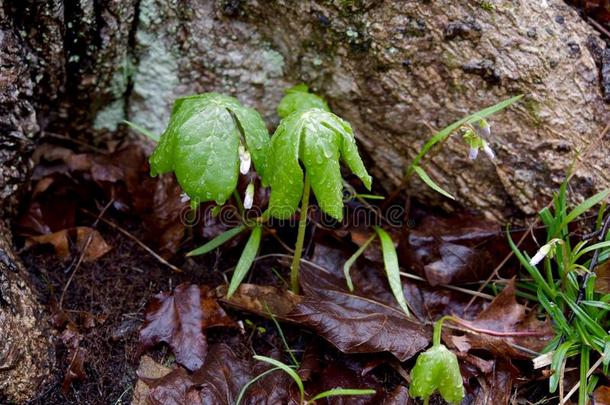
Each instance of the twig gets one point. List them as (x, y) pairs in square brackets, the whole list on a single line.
[(575, 387), (138, 241), (451, 287), (82, 254)]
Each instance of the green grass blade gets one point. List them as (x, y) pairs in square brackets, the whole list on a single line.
[(390, 260), (584, 368), (430, 183), (335, 392), (348, 264), (243, 390), (142, 130), (293, 374), (585, 206), (584, 318), (246, 259), (217, 241), (295, 362), (559, 359), (440, 136)]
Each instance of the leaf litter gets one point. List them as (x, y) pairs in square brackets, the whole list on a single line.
[(197, 349)]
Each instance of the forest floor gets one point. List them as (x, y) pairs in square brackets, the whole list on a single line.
[(132, 326)]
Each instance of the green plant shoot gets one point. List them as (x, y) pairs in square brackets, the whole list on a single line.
[(437, 369)]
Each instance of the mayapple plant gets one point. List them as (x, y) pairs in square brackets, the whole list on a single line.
[(317, 139), (437, 369), (211, 138)]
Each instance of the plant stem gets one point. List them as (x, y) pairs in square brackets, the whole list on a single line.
[(438, 327), (298, 249)]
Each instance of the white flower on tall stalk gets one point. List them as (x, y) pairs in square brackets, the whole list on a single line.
[(245, 160), (249, 197), (544, 251)]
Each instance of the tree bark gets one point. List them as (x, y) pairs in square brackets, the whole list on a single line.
[(395, 69), (26, 350)]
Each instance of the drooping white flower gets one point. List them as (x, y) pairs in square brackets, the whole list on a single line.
[(484, 128), (249, 197), (489, 151), (473, 153), (544, 251), (184, 197), (245, 160)]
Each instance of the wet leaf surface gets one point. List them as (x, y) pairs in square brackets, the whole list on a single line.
[(505, 315), (179, 319), (453, 251)]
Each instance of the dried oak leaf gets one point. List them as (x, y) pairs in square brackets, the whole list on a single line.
[(601, 395), (179, 319), (505, 315)]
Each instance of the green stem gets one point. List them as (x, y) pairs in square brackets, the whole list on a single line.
[(438, 327), (298, 249), (426, 400)]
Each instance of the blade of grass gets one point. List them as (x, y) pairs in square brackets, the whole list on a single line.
[(246, 259), (430, 183), (439, 136), (348, 264), (217, 241), (557, 364), (293, 374), (585, 206), (243, 390), (335, 392), (142, 130), (390, 260)]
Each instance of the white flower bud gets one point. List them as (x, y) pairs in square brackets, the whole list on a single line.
[(488, 151), (473, 153), (484, 128), (184, 197), (245, 160), (249, 197), (543, 251)]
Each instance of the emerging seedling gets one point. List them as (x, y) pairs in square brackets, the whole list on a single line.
[(317, 139), (437, 369)]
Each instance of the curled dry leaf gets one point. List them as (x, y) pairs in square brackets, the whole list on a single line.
[(88, 242), (179, 319), (76, 358)]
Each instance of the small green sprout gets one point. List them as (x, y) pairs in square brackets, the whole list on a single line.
[(209, 140), (437, 369)]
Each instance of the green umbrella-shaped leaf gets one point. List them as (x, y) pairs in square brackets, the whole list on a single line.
[(437, 369), (201, 145), (284, 171), (299, 98), (319, 139)]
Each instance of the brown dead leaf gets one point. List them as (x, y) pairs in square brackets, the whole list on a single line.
[(453, 251), (507, 316), (601, 395), (88, 240), (352, 323), (147, 370), (179, 319), (76, 358)]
